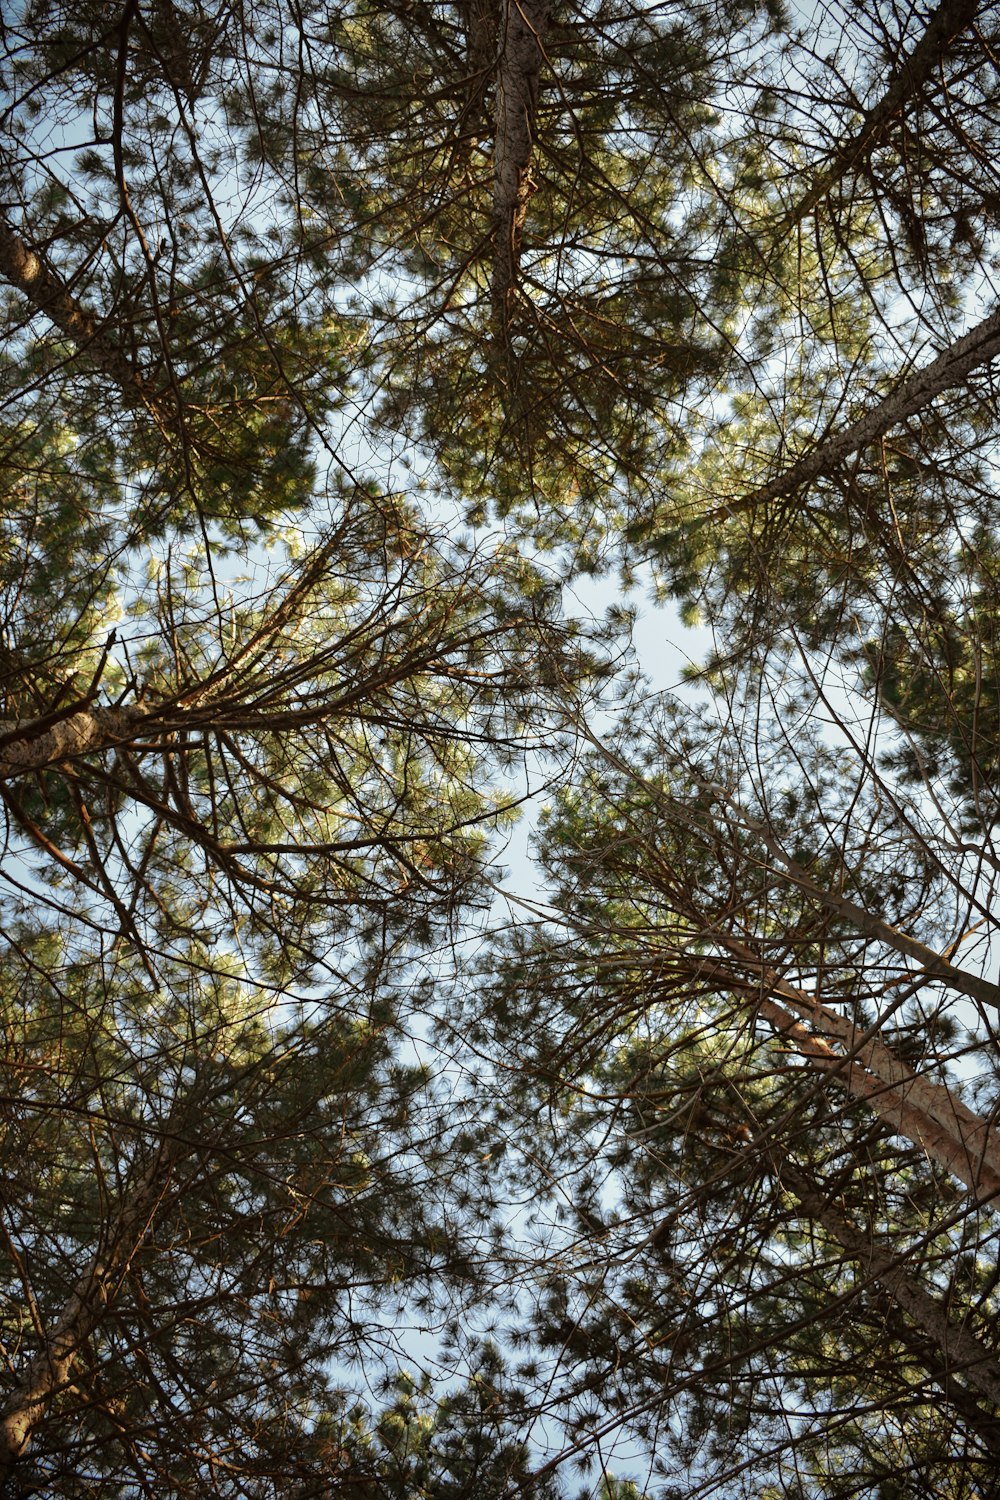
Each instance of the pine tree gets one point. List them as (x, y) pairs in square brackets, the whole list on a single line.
[(686, 285), (776, 1258), (260, 718), (535, 185)]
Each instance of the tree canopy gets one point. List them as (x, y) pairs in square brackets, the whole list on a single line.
[(340, 342)]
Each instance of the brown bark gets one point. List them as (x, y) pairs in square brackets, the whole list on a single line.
[(33, 744), (962, 1352), (951, 18), (51, 1369), (522, 29), (916, 391), (29, 271), (927, 1113)]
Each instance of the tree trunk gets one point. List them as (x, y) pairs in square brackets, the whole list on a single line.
[(480, 53), (924, 1112), (982, 1423), (523, 26), (50, 1370), (963, 1353), (934, 965)]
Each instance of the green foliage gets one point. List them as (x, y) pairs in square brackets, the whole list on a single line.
[(720, 1191), (682, 1175)]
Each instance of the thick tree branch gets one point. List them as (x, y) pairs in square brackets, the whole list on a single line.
[(30, 272), (33, 744), (946, 24), (980, 346)]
